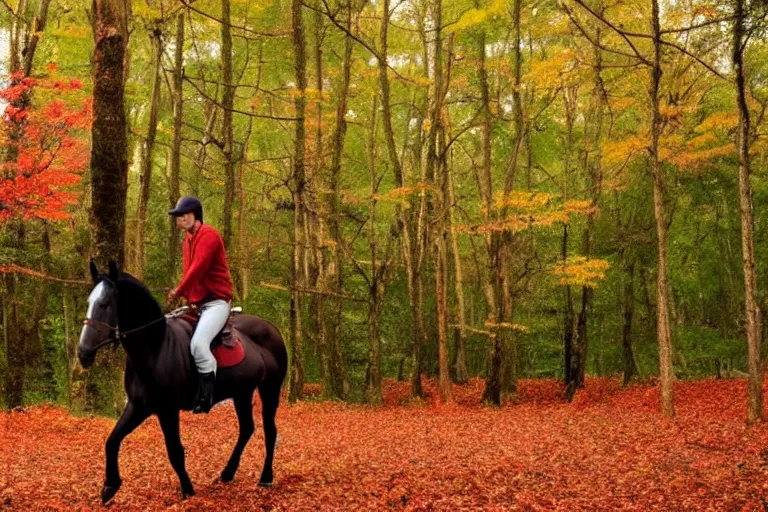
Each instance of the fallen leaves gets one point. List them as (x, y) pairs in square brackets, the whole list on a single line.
[(609, 449)]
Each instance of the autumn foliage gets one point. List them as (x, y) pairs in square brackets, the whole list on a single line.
[(44, 149), (608, 450)]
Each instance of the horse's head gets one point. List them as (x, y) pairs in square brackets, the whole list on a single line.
[(100, 326)]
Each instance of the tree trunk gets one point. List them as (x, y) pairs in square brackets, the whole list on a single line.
[(628, 310), (210, 113), (460, 373), (570, 97), (503, 359), (662, 302), (752, 313), (405, 216), (227, 104), (109, 172), (296, 390), (146, 164), (315, 223), (15, 345), (243, 260), (437, 174), (178, 109), (333, 271), (109, 163), (18, 28), (373, 393), (38, 26)]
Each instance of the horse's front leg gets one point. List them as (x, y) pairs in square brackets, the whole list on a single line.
[(133, 416), (169, 422)]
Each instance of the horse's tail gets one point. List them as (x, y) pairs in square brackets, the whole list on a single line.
[(266, 335)]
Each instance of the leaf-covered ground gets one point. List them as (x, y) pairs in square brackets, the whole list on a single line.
[(610, 449)]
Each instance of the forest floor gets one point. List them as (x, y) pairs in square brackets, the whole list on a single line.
[(610, 449)]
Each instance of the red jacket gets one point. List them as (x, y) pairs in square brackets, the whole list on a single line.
[(206, 273)]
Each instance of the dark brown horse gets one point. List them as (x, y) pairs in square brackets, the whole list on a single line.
[(160, 375)]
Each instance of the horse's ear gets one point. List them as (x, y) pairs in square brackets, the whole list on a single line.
[(94, 271), (114, 273)]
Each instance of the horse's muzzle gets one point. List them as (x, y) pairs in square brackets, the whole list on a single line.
[(86, 358)]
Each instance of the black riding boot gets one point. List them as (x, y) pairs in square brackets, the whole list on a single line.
[(204, 399)]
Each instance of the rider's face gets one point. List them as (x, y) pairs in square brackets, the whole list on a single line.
[(186, 221)]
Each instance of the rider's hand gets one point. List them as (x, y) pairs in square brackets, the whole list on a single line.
[(171, 298)]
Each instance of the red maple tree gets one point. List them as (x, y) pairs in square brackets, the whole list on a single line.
[(45, 150)]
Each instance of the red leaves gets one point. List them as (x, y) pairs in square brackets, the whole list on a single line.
[(610, 450), (48, 154)]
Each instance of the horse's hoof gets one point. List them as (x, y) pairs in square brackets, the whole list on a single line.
[(187, 493), (266, 485), (227, 476), (109, 491)]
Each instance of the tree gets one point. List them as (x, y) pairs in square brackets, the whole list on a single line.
[(109, 167), (296, 388), (175, 167), (109, 162), (149, 144), (752, 313), (43, 162)]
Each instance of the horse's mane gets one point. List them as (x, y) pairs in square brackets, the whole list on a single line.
[(138, 292)]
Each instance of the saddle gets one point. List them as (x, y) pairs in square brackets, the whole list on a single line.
[(226, 346)]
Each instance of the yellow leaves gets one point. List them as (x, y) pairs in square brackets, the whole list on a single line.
[(618, 152), (719, 121), (476, 16), (145, 10), (421, 81), (622, 103), (713, 142), (526, 210), (670, 111), (552, 71), (327, 243), (402, 195), (692, 159), (702, 140), (575, 206), (527, 201), (580, 271)]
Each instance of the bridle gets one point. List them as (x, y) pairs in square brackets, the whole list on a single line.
[(116, 336)]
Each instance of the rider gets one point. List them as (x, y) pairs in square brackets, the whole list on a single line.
[(205, 284)]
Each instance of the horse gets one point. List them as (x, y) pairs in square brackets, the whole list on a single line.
[(161, 378)]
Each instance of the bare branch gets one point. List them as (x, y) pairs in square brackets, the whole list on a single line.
[(693, 27), (624, 34), (243, 112)]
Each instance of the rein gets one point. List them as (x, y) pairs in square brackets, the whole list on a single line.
[(119, 336)]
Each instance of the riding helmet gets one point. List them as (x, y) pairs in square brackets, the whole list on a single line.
[(187, 204)]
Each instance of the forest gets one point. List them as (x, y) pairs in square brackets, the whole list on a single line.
[(407, 189), (541, 220)]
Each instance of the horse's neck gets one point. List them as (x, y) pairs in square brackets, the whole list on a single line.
[(141, 320)]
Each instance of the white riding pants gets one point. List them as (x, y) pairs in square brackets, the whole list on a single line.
[(213, 316)]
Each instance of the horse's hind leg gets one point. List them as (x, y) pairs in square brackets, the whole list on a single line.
[(244, 410), (270, 398), (132, 417), (169, 422)]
